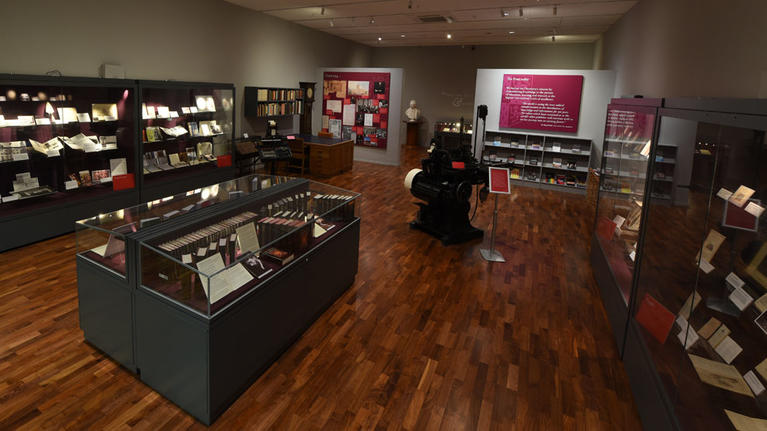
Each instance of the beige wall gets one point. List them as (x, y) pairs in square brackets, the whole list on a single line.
[(185, 40), (671, 48), (442, 79)]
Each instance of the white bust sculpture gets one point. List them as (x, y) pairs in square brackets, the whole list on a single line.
[(412, 113)]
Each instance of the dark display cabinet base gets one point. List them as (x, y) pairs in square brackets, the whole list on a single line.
[(655, 409), (204, 365), (615, 306), (43, 223)]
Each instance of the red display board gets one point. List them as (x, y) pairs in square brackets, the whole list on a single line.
[(123, 182), (355, 105), (541, 102), (499, 180)]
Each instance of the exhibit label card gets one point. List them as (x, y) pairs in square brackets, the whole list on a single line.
[(720, 375), (724, 194), (705, 266), (740, 298), (754, 383), (687, 333), (754, 209), (741, 196), (721, 333), (247, 238), (218, 285), (728, 349), (746, 423), (708, 329)]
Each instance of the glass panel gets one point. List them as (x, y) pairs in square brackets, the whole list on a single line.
[(60, 143), (185, 130), (701, 281), (104, 247), (243, 247), (627, 145)]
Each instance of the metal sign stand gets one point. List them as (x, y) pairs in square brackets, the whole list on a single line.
[(491, 254)]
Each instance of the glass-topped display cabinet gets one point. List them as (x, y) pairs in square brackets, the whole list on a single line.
[(628, 140), (209, 264), (697, 335), (67, 149), (187, 132), (174, 287)]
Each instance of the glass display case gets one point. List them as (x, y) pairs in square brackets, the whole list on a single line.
[(628, 139), (172, 287), (67, 148), (699, 300), (187, 132), (208, 264)]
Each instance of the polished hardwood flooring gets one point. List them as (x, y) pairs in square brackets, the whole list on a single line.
[(428, 337)]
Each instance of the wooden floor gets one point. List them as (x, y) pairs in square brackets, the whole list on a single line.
[(428, 337)]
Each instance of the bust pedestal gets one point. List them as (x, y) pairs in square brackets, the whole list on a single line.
[(412, 132)]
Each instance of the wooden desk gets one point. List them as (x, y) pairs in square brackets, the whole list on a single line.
[(328, 156)]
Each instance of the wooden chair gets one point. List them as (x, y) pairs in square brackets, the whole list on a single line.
[(299, 161)]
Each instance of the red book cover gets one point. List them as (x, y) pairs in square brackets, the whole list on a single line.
[(655, 318), (459, 165), (123, 182), (224, 161), (739, 218), (606, 228)]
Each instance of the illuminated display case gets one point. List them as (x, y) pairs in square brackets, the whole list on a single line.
[(172, 287), (694, 344), (67, 150), (186, 135)]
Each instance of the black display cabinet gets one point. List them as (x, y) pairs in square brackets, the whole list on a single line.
[(199, 293), (689, 314), (186, 136), (67, 151)]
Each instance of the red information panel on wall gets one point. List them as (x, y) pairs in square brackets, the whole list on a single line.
[(541, 102), (355, 105)]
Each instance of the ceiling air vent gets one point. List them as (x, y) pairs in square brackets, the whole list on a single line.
[(429, 19)]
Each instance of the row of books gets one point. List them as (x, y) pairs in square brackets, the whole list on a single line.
[(267, 95), (285, 108)]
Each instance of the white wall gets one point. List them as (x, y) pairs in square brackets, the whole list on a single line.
[(441, 78), (598, 88), (675, 48), (184, 40), (389, 156)]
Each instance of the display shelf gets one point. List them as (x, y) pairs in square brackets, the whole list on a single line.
[(151, 306), (270, 102)]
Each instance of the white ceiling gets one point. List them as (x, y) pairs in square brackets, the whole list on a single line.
[(477, 22)]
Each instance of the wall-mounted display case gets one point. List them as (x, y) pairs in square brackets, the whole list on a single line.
[(694, 335), (67, 151), (258, 260), (187, 133)]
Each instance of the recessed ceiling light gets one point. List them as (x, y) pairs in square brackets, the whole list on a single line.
[(380, 38), (372, 20), (449, 36), (511, 32), (504, 12), (449, 19), (402, 35)]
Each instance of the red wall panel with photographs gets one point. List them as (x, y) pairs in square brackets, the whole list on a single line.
[(355, 105)]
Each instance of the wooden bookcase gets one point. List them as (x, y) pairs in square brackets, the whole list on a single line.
[(266, 102)]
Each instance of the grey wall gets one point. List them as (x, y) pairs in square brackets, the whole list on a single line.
[(442, 79), (184, 40), (671, 48)]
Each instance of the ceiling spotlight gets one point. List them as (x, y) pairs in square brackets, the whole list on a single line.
[(332, 24), (449, 36), (511, 32), (380, 38), (521, 12), (555, 10), (322, 11), (402, 35), (504, 12), (372, 20), (449, 19)]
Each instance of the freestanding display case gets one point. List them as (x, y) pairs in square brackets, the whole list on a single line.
[(695, 336), (67, 151), (202, 302), (187, 135)]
